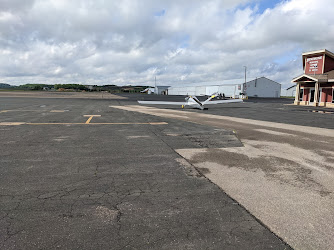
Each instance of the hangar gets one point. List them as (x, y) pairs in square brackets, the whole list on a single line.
[(289, 92), (316, 86), (259, 87)]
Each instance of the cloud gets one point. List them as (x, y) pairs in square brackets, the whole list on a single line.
[(180, 42)]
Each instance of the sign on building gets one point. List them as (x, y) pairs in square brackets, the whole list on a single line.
[(314, 65)]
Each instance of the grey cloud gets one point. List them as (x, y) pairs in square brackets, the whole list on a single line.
[(180, 41), (16, 5)]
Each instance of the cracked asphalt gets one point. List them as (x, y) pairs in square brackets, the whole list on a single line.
[(117, 185), (284, 171)]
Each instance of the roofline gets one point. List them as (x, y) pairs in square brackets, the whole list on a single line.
[(262, 77), (213, 85), (304, 75), (291, 86), (316, 52), (321, 51), (225, 84)]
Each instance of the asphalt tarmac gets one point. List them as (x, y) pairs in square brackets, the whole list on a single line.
[(284, 172), (78, 174)]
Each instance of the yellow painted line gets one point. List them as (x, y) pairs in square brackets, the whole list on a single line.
[(158, 123), (128, 123), (104, 123), (18, 110), (91, 117), (11, 123), (54, 123), (22, 110), (58, 111)]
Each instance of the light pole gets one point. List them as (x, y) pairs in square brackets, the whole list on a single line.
[(245, 88), (245, 73), (155, 85)]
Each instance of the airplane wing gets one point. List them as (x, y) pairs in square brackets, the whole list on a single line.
[(224, 101), (209, 99), (161, 102)]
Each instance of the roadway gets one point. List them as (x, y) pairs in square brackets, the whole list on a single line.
[(77, 173), (284, 172)]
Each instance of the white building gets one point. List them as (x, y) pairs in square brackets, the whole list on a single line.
[(161, 90), (228, 90), (290, 92), (259, 87), (262, 87)]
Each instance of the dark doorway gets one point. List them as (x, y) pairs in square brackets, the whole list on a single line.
[(312, 95)]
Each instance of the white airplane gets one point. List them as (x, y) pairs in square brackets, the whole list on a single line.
[(192, 101)]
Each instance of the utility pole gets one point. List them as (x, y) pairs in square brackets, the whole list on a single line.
[(245, 73), (155, 85), (245, 87)]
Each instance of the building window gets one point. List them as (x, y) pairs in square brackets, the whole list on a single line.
[(301, 93), (332, 95)]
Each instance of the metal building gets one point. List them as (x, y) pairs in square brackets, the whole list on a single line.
[(289, 92), (259, 87), (262, 87), (161, 90), (231, 90)]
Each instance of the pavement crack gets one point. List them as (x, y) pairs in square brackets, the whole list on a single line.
[(190, 169)]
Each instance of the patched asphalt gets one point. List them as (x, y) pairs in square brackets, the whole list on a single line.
[(283, 173), (118, 185)]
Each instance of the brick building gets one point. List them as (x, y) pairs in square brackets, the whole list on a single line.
[(316, 86)]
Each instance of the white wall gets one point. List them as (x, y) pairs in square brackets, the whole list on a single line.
[(289, 92), (263, 87), (211, 90), (228, 90), (200, 90), (182, 91)]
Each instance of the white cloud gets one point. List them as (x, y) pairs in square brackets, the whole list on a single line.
[(181, 42)]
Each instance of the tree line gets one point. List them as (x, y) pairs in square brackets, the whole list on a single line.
[(74, 87)]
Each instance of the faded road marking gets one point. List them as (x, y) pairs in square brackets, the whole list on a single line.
[(18, 110), (11, 123), (137, 136), (58, 111), (273, 132), (69, 123), (100, 123)]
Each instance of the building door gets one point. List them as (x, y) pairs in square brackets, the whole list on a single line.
[(301, 95), (312, 91)]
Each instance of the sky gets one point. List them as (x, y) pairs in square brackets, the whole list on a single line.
[(180, 42)]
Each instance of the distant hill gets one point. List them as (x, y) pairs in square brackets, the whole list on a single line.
[(74, 87)]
